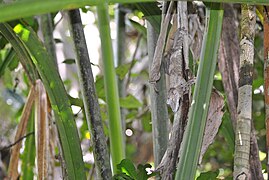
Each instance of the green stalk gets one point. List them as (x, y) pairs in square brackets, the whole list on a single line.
[(120, 51), (10, 56), (47, 32), (192, 140), (89, 96), (27, 38), (120, 45), (28, 159), (22, 9), (111, 89)]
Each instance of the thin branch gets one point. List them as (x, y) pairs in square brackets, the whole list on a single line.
[(16, 142), (89, 96)]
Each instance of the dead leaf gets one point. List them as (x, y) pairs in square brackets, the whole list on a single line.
[(214, 119)]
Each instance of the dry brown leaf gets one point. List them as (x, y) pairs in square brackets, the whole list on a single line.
[(42, 130), (15, 151), (214, 119)]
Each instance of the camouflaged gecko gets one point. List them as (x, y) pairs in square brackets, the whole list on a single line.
[(174, 68)]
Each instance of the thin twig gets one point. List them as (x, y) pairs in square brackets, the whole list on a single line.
[(16, 142)]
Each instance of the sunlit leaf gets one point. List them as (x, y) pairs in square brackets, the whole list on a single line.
[(126, 166)]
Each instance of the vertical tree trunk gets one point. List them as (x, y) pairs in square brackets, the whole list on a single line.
[(244, 109)]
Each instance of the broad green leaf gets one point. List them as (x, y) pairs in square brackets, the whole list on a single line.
[(122, 176), (131, 114), (210, 175), (142, 173), (146, 122), (99, 86), (130, 102), (126, 166), (123, 69)]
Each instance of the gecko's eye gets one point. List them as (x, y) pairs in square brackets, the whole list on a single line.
[(173, 99)]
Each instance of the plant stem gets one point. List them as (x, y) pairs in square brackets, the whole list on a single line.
[(90, 99), (159, 112), (28, 159), (111, 89), (120, 55), (47, 31)]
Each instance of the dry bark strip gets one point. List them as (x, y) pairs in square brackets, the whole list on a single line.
[(244, 109), (154, 74), (213, 122), (42, 130), (15, 151)]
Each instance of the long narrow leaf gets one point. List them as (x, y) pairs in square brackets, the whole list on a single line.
[(21, 52), (193, 136), (58, 97), (21, 9)]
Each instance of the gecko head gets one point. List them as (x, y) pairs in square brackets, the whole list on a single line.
[(173, 99)]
